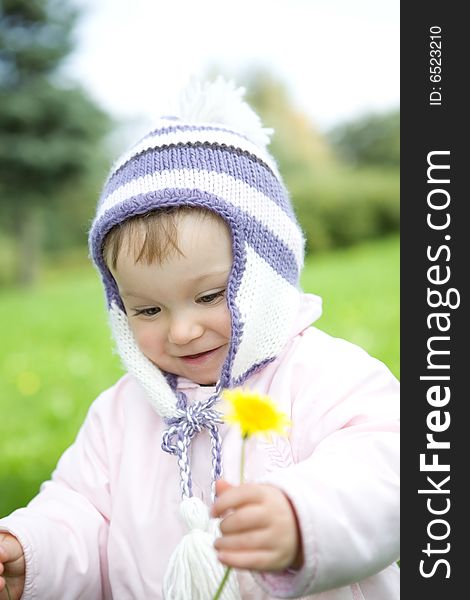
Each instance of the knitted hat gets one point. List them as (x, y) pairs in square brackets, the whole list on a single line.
[(212, 155)]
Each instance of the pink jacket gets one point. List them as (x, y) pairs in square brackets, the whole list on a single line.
[(105, 525)]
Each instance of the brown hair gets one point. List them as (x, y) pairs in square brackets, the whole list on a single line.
[(152, 236)]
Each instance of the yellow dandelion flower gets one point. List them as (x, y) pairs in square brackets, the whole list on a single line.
[(254, 413)]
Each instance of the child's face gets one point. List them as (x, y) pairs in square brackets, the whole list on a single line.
[(177, 310)]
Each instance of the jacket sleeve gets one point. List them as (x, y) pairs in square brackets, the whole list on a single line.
[(64, 529), (344, 484)]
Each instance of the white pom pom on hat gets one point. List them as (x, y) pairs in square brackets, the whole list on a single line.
[(222, 102)]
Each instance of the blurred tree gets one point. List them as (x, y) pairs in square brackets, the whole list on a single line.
[(47, 132), (373, 140), (337, 203), (296, 143)]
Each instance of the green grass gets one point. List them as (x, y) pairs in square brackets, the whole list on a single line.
[(56, 357), (360, 287)]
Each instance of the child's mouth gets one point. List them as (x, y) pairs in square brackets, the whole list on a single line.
[(200, 357)]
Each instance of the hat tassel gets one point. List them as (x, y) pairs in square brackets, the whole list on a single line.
[(194, 572)]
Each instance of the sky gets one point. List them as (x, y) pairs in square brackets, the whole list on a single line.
[(339, 59)]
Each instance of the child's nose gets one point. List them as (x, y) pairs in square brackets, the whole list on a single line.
[(184, 329)]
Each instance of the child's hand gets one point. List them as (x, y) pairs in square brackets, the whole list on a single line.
[(259, 528), (12, 567)]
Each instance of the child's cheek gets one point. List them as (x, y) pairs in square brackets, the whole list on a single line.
[(224, 322), (147, 339)]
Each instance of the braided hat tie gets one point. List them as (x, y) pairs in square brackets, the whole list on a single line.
[(190, 420)]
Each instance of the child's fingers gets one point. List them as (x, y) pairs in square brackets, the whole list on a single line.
[(252, 516), (12, 559), (237, 496), (3, 593), (257, 539), (15, 589), (254, 560), (222, 486), (10, 548)]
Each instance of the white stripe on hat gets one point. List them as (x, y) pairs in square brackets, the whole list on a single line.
[(261, 318), (232, 190), (213, 135)]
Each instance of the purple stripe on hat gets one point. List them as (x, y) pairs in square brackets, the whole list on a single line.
[(261, 239), (202, 156), (153, 135), (271, 249)]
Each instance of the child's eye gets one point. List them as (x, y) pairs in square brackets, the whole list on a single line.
[(211, 298), (146, 312)]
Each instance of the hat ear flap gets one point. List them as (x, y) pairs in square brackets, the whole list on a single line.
[(137, 364), (266, 307)]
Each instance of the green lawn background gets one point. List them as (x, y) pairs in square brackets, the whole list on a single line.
[(56, 352)]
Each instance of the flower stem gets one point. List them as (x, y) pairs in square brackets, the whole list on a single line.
[(222, 583), (242, 477), (7, 591), (242, 461)]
